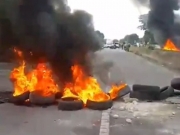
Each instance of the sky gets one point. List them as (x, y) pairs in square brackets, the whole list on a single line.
[(114, 18)]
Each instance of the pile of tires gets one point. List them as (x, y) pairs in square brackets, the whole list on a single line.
[(151, 93), (141, 92), (72, 104)]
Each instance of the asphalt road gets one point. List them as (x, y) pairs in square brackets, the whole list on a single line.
[(15, 120)]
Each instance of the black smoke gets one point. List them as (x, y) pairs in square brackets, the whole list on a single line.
[(53, 34), (161, 19)]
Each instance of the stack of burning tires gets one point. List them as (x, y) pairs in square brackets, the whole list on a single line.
[(103, 101)]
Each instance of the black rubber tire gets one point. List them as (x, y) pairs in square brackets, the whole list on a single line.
[(170, 89), (19, 100), (70, 104), (145, 92), (151, 92), (36, 99), (146, 88), (175, 83), (143, 96), (166, 92), (104, 105)]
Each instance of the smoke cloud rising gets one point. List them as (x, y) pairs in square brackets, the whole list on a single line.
[(53, 34), (161, 19)]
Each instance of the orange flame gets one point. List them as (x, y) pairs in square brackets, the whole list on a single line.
[(41, 79), (18, 52), (170, 46)]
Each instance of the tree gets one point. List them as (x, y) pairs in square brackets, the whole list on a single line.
[(126, 38), (115, 41), (132, 38), (148, 37), (100, 36), (121, 41), (143, 22)]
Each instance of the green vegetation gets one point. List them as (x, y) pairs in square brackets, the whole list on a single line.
[(147, 38), (130, 39), (100, 36)]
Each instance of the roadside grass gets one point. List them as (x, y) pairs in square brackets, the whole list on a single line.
[(169, 59)]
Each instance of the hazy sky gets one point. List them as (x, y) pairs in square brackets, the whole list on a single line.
[(115, 18)]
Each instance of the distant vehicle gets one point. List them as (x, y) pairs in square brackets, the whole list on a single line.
[(114, 47), (107, 46), (157, 46)]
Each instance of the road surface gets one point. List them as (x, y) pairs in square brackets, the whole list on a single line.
[(15, 120)]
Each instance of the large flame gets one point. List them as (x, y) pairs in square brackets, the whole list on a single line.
[(170, 46), (41, 79)]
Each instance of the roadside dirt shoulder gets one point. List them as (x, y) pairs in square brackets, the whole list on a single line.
[(168, 59)]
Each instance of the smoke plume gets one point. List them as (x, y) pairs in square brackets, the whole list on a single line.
[(52, 34), (161, 19)]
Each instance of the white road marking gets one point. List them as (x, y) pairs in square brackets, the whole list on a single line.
[(105, 118)]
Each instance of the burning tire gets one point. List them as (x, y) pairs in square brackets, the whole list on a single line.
[(175, 83), (166, 92), (19, 100), (145, 92), (37, 99), (70, 104), (126, 90), (102, 105)]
